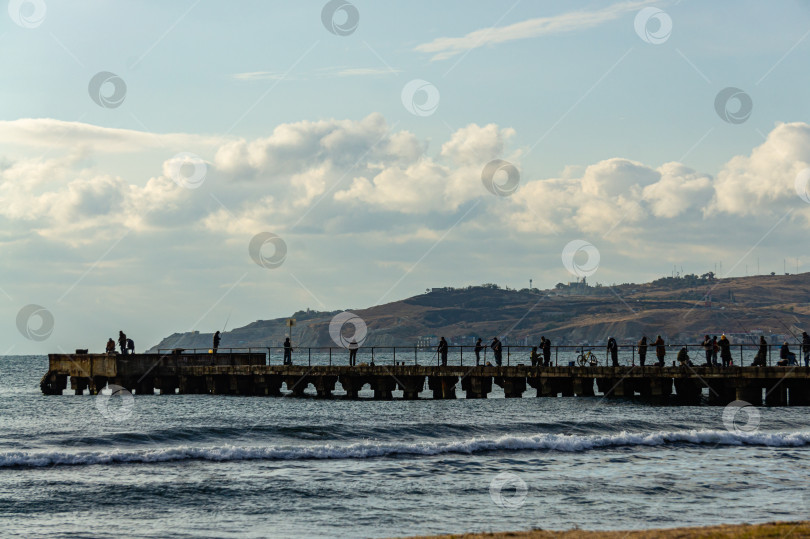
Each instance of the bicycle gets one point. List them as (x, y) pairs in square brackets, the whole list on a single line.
[(587, 358)]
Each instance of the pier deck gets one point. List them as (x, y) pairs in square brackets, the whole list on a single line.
[(248, 374)]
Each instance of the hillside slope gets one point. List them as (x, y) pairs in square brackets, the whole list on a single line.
[(673, 307)]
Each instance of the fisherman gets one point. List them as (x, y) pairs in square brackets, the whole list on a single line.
[(130, 346), (122, 342), (715, 349), (683, 358), (759, 359), (217, 339), (110, 346), (478, 347), (708, 347), (725, 350), (642, 350), (613, 350), (353, 346), (660, 350), (787, 357), (442, 350), (288, 350), (535, 358), (497, 350), (546, 352), (806, 348)]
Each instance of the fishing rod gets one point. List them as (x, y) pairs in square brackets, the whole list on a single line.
[(226, 320), (788, 330)]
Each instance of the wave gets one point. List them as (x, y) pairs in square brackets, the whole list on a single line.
[(369, 449)]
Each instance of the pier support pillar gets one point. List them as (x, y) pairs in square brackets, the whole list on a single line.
[(190, 385), (583, 387), (566, 387), (513, 387), (410, 386), (166, 384), (750, 393), (296, 384), (273, 385), (722, 392), (352, 385), (324, 385), (145, 387), (545, 386), (660, 388), (444, 387), (78, 384), (97, 383), (620, 388), (776, 395), (688, 391), (476, 387), (216, 384), (53, 383), (241, 385), (798, 393), (383, 386)]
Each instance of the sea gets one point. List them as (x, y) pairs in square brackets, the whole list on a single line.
[(236, 466)]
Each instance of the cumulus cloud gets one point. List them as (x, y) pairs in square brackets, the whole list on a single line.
[(296, 147), (335, 172), (607, 194), (58, 199), (678, 190), (765, 180)]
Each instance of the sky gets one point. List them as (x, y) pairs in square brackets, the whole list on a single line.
[(198, 165)]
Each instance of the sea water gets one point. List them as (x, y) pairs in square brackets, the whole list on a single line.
[(228, 466)]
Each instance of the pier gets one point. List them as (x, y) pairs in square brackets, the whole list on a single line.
[(249, 373)]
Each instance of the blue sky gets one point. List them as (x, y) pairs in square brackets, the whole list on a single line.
[(305, 134)]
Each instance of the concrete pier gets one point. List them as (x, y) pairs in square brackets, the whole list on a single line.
[(248, 374)]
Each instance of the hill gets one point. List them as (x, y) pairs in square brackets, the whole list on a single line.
[(679, 308)]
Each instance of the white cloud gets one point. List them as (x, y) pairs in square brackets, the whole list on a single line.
[(340, 173), (443, 48), (764, 181), (50, 133), (678, 190), (58, 199)]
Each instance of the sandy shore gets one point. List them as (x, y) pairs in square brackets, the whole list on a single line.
[(746, 531)]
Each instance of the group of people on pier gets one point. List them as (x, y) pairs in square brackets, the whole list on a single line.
[(540, 355), (126, 344)]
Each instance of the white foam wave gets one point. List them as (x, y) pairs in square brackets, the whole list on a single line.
[(369, 449)]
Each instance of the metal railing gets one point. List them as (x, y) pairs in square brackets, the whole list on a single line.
[(464, 355)]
